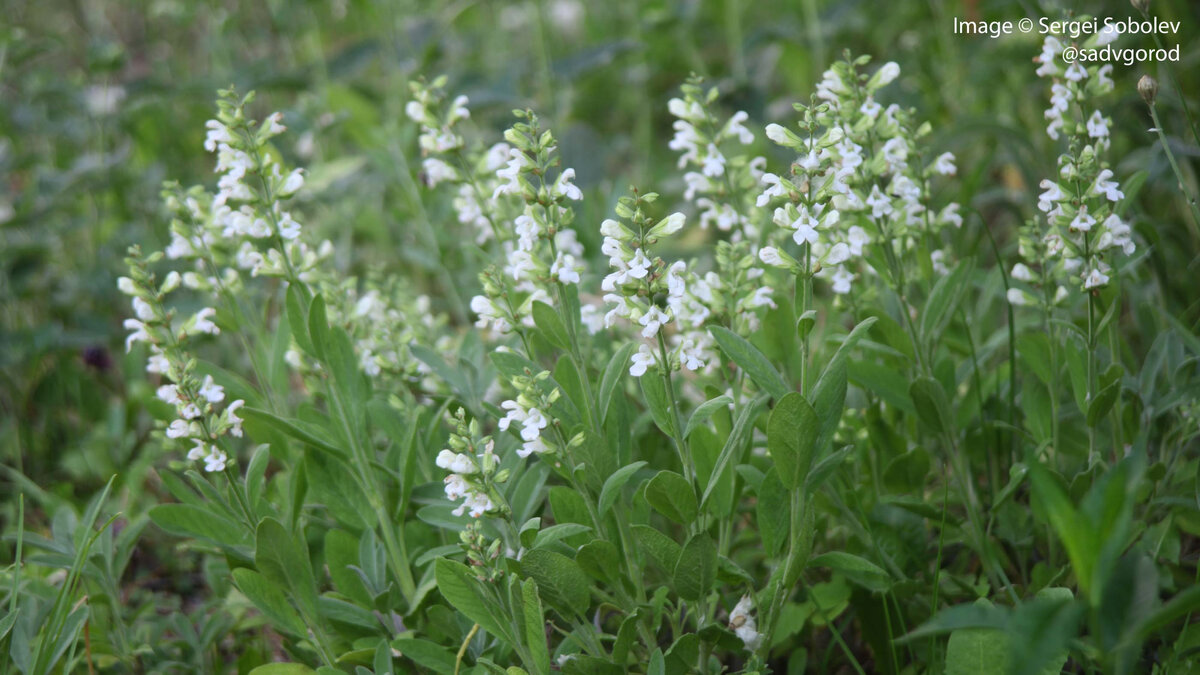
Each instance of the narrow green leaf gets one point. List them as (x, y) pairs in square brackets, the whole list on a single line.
[(270, 600), (612, 377), (550, 324), (750, 360), (535, 628), (858, 570), (704, 411), (614, 483)]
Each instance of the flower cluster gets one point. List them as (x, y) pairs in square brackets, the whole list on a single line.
[(247, 209), (202, 421), (1081, 224), (650, 293), (527, 415), (448, 159), (474, 469), (862, 176), (543, 253), (720, 174)]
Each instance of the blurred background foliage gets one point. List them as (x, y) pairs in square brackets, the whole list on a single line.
[(103, 100)]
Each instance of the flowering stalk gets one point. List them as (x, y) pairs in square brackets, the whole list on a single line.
[(1083, 231)]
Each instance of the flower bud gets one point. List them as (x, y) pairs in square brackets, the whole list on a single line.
[(1147, 86)]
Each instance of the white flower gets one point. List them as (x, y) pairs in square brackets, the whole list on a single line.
[(1021, 273), (289, 229), (841, 280), (202, 324), (564, 188), (1017, 297), (713, 162), (642, 360), (1107, 187), (1052, 195), (742, 623), (1075, 72), (1097, 126), (139, 333), (886, 74), (190, 411), (235, 422), (950, 215), (168, 393), (1095, 279), (592, 319), (838, 254), (437, 171), (1082, 222), (880, 205), (1107, 34), (179, 429), (456, 487), (215, 461), (197, 452), (770, 255), (938, 260), (734, 127), (292, 184), (653, 320), (944, 164), (143, 309), (211, 391), (775, 188)]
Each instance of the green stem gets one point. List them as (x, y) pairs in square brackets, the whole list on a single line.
[(1162, 139), (685, 454)]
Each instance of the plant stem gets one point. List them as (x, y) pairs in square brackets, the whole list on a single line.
[(1162, 139), (685, 454)]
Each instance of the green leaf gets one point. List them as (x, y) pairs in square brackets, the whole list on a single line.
[(1102, 403), (426, 654), (655, 392), (559, 580), (297, 317), (841, 356), (612, 377), (932, 406), (773, 513), (977, 651), (283, 669), (662, 549), (792, 432), (318, 327), (556, 532), (600, 560), (1035, 350), (672, 495), (270, 600), (958, 617), (750, 360), (943, 300), (704, 411), (298, 429), (193, 521), (284, 561), (743, 427), (535, 627), (614, 483), (550, 324), (465, 593), (858, 570), (1077, 534), (829, 400), (697, 567)]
